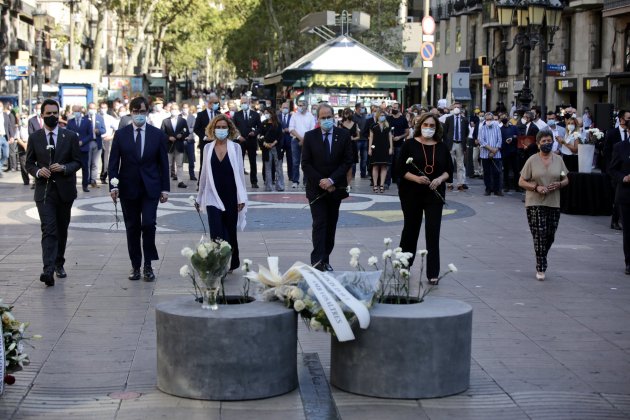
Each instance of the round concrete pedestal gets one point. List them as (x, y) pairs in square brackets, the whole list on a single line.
[(238, 352), (414, 351)]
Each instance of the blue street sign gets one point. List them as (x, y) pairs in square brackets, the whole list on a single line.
[(556, 67)]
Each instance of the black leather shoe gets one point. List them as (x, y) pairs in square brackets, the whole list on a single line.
[(628, 269), (319, 266), (86, 189), (182, 185), (254, 185), (615, 226), (193, 178), (464, 186), (148, 273), (328, 267), (47, 279), (487, 193), (60, 272), (134, 274), (498, 193)]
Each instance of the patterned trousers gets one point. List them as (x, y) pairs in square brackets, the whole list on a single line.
[(543, 223)]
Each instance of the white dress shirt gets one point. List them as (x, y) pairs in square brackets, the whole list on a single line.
[(301, 123)]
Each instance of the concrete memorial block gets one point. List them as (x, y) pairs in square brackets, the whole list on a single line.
[(239, 352), (419, 350)]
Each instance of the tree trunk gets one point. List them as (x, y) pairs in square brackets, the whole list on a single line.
[(144, 17), (280, 34), (98, 37)]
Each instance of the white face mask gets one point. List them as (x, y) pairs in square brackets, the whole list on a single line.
[(571, 127), (174, 113), (523, 121), (428, 133), (456, 111)]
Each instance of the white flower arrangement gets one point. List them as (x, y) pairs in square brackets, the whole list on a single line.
[(184, 271), (114, 182), (187, 252), (387, 241), (299, 305), (13, 334), (387, 254), (355, 252), (209, 261)]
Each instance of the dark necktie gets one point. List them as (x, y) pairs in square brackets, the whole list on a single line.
[(327, 145), (456, 129), (625, 135), (51, 142), (246, 116), (139, 142)]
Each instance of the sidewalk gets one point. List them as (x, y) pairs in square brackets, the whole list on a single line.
[(559, 348)]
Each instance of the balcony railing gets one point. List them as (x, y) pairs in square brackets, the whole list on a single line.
[(613, 4)]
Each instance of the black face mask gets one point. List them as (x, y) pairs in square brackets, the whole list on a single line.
[(504, 121), (51, 121), (394, 111)]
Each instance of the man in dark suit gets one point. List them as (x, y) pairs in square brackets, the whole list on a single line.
[(326, 159), (97, 122), (7, 134), (189, 142), (619, 169), (284, 116), (455, 138), (247, 122), (203, 119), (176, 130), (614, 136), (138, 160), (82, 127), (53, 158)]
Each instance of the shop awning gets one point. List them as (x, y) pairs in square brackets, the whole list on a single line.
[(79, 77), (461, 94)]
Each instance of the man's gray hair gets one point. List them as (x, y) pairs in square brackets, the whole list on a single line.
[(545, 132)]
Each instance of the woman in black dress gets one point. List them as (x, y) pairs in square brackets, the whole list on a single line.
[(380, 150), (222, 191), (427, 153), (348, 123)]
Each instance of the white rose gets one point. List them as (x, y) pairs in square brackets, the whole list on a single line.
[(315, 324), (114, 182), (452, 267), (423, 252), (354, 263), (409, 160), (398, 249), (245, 268), (372, 261), (355, 252), (299, 306), (387, 241), (247, 261), (387, 254), (225, 244), (399, 255), (184, 271), (407, 255), (202, 250), (404, 262), (396, 264), (192, 200), (404, 272), (296, 293), (187, 252)]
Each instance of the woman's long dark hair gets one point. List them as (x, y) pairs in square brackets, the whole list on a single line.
[(273, 117)]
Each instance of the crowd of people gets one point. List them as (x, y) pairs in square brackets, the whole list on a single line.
[(425, 151)]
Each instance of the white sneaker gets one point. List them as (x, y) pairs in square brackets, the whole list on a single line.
[(294, 185), (540, 276)]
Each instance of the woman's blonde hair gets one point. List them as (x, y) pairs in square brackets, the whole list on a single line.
[(232, 131), (377, 115)]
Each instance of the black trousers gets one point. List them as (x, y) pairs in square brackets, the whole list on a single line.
[(85, 168), (616, 212), (325, 213), (23, 172), (140, 219), (625, 217), (413, 208), (222, 225), (251, 145), (54, 216), (510, 164)]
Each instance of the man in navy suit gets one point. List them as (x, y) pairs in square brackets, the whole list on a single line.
[(138, 160), (53, 158), (614, 136), (326, 159), (285, 118), (36, 122), (83, 128), (203, 119)]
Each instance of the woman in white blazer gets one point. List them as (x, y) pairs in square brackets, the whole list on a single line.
[(222, 191)]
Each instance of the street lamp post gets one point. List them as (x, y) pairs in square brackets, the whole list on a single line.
[(39, 20), (530, 17)]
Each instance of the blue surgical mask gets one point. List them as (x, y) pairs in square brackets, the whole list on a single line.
[(546, 147), (382, 118), (139, 119), (221, 133), (77, 115), (244, 107), (551, 123), (327, 124), (285, 110), (215, 107)]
